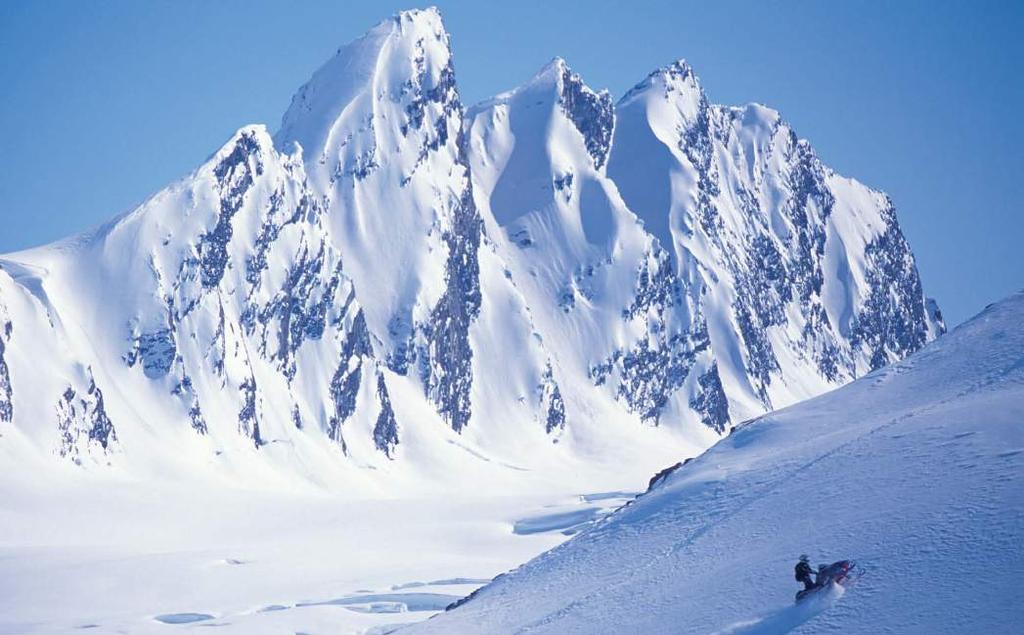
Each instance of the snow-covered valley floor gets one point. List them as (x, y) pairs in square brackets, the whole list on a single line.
[(144, 558)]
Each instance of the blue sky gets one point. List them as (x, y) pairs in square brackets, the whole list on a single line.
[(106, 102)]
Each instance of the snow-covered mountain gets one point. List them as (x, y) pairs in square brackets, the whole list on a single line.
[(916, 471), (543, 277)]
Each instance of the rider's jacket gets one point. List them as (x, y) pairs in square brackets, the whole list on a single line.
[(803, 570)]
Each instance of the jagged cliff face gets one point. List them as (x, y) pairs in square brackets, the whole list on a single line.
[(546, 273), (787, 253), (603, 291)]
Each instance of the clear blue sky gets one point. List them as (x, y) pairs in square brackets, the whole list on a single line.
[(103, 103)]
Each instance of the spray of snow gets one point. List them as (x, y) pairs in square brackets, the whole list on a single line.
[(787, 618)]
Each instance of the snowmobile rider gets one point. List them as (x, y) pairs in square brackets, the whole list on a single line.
[(803, 573)]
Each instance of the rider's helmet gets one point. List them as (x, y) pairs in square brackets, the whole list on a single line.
[(804, 557)]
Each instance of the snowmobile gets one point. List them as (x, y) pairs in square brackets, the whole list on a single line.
[(840, 573)]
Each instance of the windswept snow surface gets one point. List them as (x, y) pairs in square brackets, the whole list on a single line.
[(915, 471)]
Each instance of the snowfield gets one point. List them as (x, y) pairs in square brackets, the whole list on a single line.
[(125, 555), (915, 471)]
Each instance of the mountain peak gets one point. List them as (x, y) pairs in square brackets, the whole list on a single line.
[(590, 111), (678, 77), (408, 51), (418, 22), (679, 68), (428, 14), (551, 70), (563, 77)]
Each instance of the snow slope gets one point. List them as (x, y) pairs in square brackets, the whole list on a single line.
[(916, 471)]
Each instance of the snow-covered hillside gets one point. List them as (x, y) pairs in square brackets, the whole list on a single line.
[(916, 471), (390, 279)]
